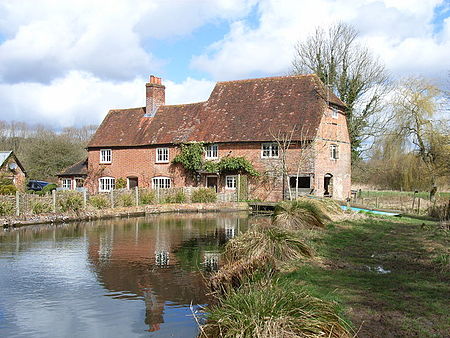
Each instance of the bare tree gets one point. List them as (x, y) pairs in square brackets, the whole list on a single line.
[(290, 161), (352, 73)]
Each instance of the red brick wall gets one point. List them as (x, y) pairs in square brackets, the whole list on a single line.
[(141, 163), (333, 131)]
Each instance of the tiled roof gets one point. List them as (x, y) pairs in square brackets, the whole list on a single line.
[(77, 169), (236, 111)]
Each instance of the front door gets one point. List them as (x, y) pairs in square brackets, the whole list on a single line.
[(211, 182), (132, 182), (328, 185)]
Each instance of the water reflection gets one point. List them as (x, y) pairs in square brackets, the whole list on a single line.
[(157, 261)]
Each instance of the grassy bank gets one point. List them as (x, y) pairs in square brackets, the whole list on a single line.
[(392, 275), (386, 276)]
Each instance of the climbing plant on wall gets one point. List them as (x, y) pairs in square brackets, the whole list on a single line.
[(191, 158)]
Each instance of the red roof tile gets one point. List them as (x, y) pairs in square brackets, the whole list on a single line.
[(236, 111)]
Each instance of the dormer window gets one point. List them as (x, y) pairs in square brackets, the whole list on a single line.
[(212, 152), (105, 156)]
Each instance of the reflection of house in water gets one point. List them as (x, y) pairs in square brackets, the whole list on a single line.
[(127, 258), (211, 260)]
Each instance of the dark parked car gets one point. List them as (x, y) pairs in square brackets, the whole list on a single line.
[(36, 185)]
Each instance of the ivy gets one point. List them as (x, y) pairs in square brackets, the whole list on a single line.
[(239, 164), (191, 158)]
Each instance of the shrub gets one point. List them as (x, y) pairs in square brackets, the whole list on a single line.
[(47, 189), (126, 200), (99, 201), (121, 183), (38, 207), (71, 201), (274, 310), (8, 189), (147, 197), (178, 197), (6, 208), (204, 195)]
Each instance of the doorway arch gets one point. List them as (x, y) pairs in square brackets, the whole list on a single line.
[(328, 185)]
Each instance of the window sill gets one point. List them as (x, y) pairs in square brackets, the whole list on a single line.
[(161, 162)]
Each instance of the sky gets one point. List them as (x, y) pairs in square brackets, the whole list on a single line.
[(67, 62)]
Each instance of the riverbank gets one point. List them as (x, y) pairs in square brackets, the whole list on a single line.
[(387, 276), (142, 210)]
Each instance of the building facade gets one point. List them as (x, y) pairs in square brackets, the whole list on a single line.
[(291, 129), (11, 170)]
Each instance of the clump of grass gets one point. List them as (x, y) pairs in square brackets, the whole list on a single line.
[(272, 310), (267, 241), (442, 261), (204, 195), (235, 274), (305, 213)]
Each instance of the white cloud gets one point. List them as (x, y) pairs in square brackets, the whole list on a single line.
[(46, 39), (400, 32), (80, 98)]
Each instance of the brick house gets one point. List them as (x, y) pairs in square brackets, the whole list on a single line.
[(291, 128), (73, 177), (12, 170)]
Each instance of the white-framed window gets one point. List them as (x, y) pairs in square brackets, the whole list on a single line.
[(106, 184), (161, 182), (230, 182), (334, 152), (334, 113), (162, 155), (67, 183), (105, 155), (212, 151), (269, 150)]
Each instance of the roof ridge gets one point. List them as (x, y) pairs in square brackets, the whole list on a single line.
[(122, 109), (271, 78), (182, 104)]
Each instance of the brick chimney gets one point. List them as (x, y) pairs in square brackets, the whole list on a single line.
[(154, 95)]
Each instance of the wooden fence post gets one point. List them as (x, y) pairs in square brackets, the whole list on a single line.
[(54, 200), (17, 203), (84, 199), (136, 190), (418, 205)]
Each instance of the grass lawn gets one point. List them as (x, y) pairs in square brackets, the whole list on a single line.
[(394, 194), (392, 275)]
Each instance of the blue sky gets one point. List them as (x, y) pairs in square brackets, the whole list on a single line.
[(67, 63)]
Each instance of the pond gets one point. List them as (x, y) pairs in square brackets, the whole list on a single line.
[(112, 278)]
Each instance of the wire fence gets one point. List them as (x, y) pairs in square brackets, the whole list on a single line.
[(68, 200)]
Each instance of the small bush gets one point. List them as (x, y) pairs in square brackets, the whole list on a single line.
[(147, 197), (126, 200), (204, 195), (47, 189), (8, 189), (121, 183), (178, 197), (38, 207), (6, 208), (99, 201), (71, 201)]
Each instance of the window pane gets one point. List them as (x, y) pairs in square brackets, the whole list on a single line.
[(275, 150), (299, 182)]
